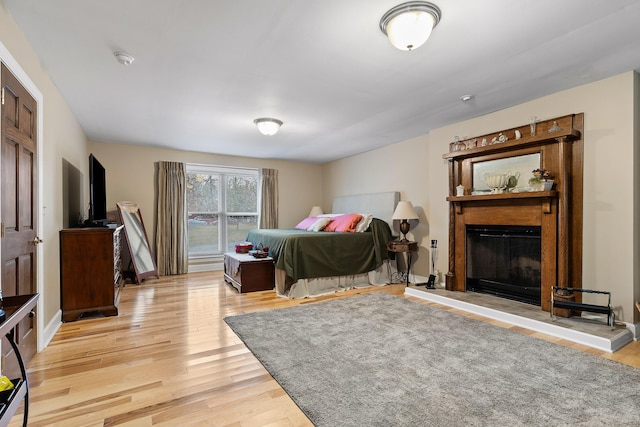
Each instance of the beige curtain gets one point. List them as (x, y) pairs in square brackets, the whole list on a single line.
[(269, 199), (171, 224)]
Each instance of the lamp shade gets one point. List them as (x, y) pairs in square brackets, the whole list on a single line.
[(315, 211), (267, 125), (405, 210), (409, 24)]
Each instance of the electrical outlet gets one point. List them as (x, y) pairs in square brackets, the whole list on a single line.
[(434, 244)]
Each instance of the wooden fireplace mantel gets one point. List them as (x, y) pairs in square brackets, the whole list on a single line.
[(558, 212), (503, 196)]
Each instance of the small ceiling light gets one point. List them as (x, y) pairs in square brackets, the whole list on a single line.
[(267, 125), (466, 98), (124, 58), (409, 24)]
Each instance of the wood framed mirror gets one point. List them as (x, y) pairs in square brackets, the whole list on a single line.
[(136, 235)]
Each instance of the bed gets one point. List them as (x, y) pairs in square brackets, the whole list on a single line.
[(310, 263)]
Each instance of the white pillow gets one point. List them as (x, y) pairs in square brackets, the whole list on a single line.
[(319, 225), (331, 215), (364, 223)]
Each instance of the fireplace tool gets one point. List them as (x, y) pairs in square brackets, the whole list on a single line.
[(431, 283)]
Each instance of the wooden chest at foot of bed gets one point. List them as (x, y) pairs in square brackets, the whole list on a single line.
[(249, 274)]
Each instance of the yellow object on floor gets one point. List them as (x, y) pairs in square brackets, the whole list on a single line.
[(5, 383)]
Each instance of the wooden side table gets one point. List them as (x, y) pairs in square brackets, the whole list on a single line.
[(16, 308), (408, 247), (249, 274)]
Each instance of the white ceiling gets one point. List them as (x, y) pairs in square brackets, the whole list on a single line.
[(205, 69)]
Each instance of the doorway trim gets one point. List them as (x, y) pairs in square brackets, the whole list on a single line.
[(30, 86)]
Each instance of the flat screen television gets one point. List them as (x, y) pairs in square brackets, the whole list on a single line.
[(97, 192)]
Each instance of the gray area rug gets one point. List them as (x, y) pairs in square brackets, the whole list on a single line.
[(381, 360)]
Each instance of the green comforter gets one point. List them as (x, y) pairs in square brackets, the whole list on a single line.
[(305, 254)]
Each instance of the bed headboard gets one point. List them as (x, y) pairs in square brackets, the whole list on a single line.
[(381, 205)]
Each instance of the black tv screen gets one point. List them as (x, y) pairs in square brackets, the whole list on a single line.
[(97, 190)]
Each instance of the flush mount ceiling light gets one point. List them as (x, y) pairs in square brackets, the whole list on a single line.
[(267, 125), (466, 98), (409, 24), (124, 58)]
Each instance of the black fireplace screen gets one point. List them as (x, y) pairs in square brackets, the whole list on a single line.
[(505, 261)]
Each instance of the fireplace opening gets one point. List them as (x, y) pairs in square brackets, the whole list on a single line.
[(505, 261)]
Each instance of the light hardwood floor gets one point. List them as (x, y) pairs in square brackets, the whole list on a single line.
[(169, 359)]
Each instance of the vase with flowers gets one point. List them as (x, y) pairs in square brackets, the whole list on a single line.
[(542, 180)]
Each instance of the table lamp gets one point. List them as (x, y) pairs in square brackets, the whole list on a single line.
[(315, 211), (404, 212)]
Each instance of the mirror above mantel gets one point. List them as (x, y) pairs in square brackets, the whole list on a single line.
[(558, 212), (518, 168)]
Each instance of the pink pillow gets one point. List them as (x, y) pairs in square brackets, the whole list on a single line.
[(306, 223), (343, 223)]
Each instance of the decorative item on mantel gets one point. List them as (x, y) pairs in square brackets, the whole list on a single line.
[(512, 181), (555, 127), (541, 180), (532, 124), (457, 145), (501, 182), (497, 182), (500, 138)]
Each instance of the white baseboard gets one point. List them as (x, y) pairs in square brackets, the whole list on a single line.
[(49, 331), (635, 329), (200, 268)]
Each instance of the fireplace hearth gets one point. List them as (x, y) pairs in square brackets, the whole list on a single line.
[(504, 261)]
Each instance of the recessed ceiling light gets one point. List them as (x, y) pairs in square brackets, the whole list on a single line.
[(466, 98)]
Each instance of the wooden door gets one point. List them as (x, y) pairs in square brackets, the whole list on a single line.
[(19, 208)]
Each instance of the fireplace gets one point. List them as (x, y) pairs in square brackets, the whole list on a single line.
[(517, 243), (504, 261)]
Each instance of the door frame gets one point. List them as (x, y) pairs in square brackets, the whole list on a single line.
[(30, 86)]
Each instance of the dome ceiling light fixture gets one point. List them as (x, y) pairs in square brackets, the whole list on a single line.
[(268, 125), (124, 58), (409, 24)]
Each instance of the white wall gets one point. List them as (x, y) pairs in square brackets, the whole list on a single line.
[(400, 167), (610, 185), (62, 138), (130, 176)]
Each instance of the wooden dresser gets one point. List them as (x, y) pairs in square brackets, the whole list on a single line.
[(90, 271)]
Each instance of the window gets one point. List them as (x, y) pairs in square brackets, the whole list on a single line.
[(222, 206)]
